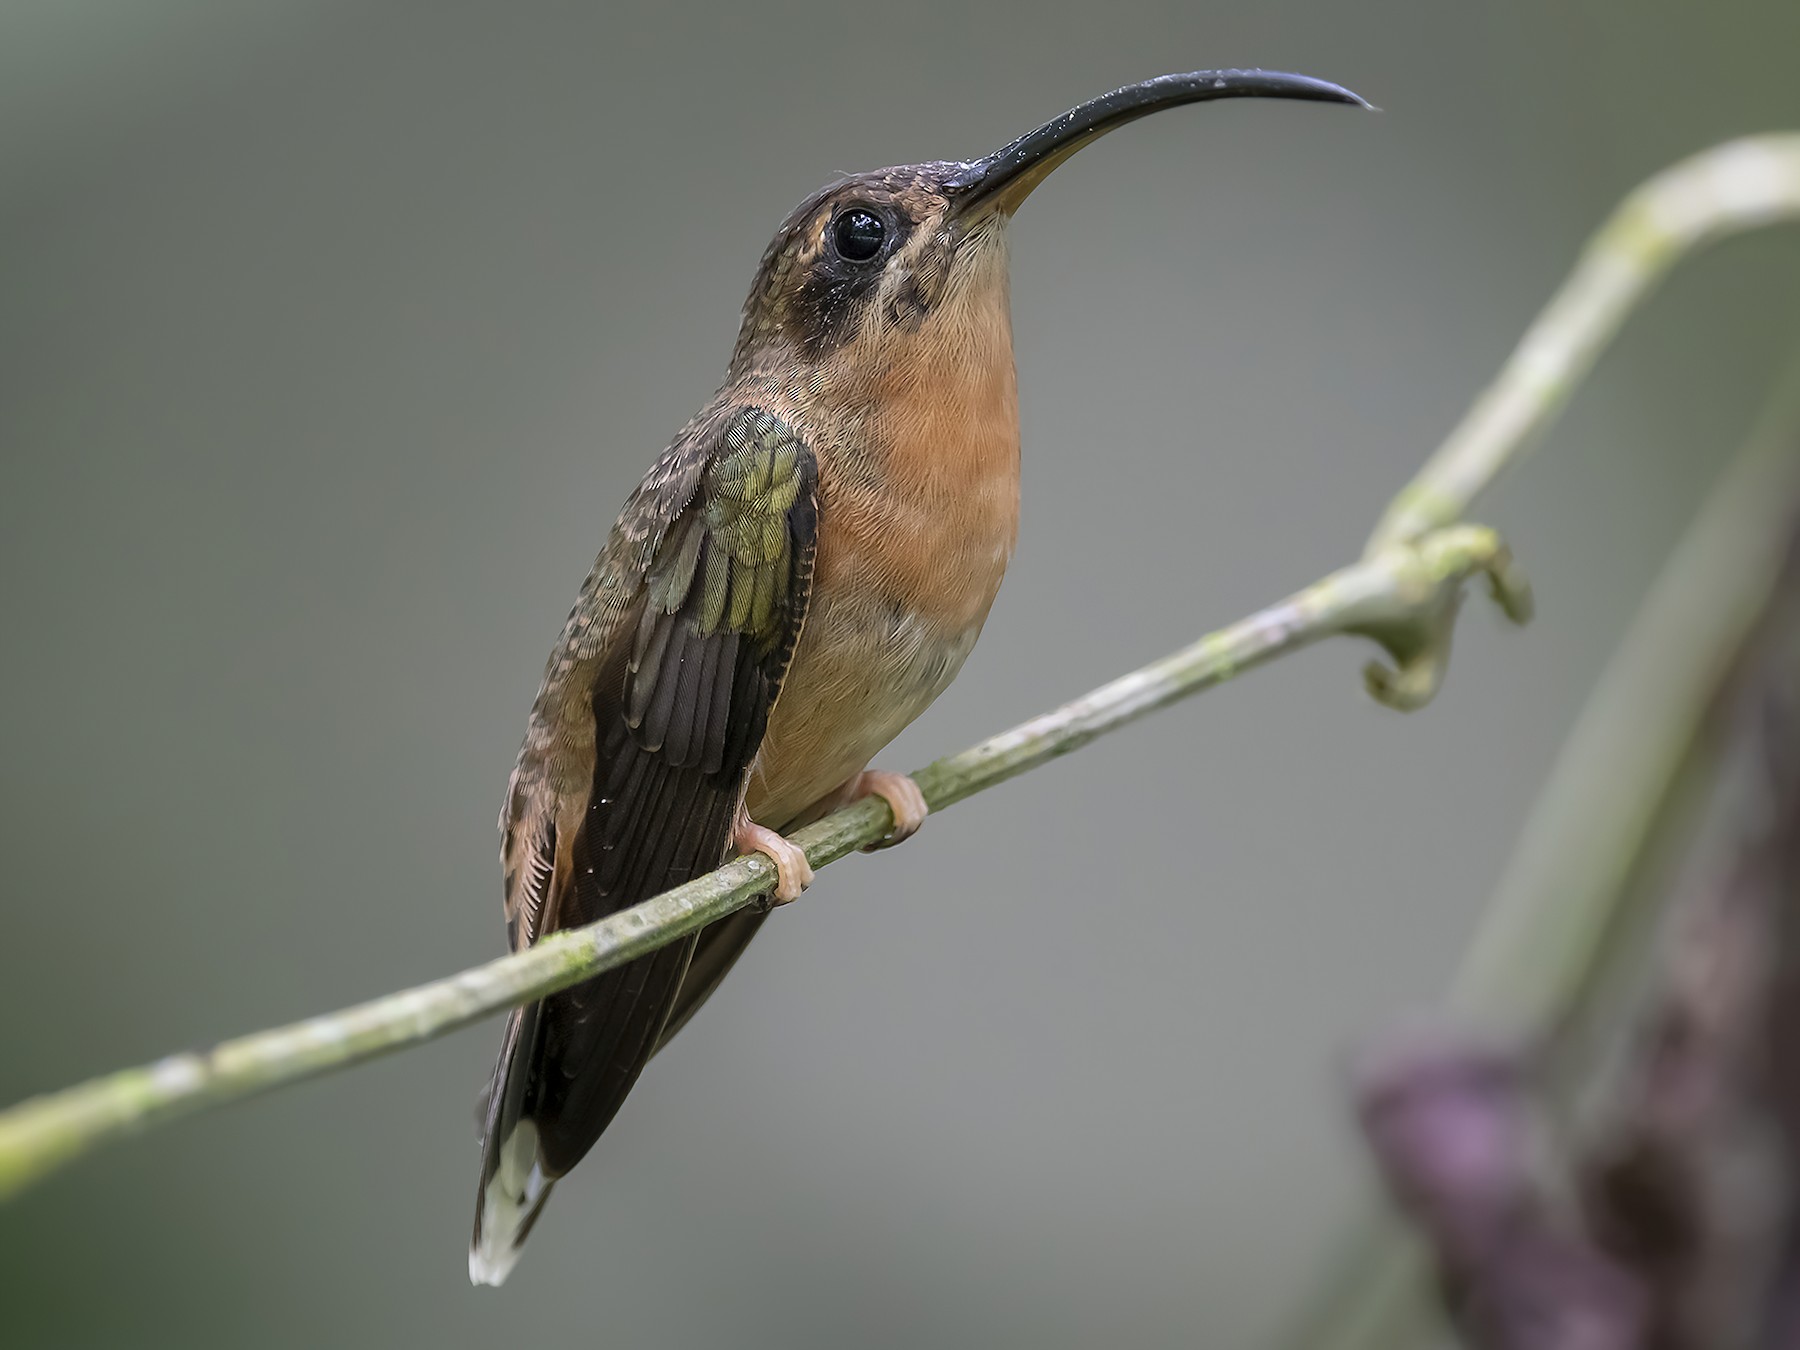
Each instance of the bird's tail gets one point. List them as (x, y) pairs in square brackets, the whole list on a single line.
[(513, 1185)]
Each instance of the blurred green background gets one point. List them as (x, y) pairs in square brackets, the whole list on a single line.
[(333, 334)]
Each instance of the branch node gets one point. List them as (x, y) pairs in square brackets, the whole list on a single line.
[(1416, 631)]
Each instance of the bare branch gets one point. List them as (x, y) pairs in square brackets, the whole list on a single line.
[(1573, 892), (1400, 598), (1727, 190), (1404, 594)]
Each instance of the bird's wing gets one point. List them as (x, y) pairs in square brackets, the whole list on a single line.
[(652, 711), (716, 950), (718, 946)]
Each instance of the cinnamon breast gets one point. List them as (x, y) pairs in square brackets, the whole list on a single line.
[(918, 517)]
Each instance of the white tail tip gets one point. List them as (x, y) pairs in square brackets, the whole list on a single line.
[(509, 1203)]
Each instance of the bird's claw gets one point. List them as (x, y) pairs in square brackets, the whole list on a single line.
[(793, 873), (903, 798)]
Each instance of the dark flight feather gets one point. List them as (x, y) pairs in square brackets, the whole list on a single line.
[(709, 572)]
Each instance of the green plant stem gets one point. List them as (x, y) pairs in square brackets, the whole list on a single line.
[(1570, 897), (1726, 190), (1387, 596), (1404, 595), (1374, 1298)]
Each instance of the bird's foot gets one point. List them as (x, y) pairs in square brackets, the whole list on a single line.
[(793, 873), (903, 798)]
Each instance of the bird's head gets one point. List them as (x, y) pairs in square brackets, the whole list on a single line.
[(875, 256)]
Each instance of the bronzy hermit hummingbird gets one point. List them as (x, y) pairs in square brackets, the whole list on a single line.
[(796, 579)]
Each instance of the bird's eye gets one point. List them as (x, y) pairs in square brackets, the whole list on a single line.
[(858, 234)]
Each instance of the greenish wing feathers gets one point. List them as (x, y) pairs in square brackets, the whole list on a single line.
[(723, 601), (678, 700)]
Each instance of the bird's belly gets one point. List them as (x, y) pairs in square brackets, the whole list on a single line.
[(863, 670)]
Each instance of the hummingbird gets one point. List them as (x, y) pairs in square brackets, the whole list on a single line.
[(799, 575)]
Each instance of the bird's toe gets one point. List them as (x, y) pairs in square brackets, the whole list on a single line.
[(793, 873), (903, 798)]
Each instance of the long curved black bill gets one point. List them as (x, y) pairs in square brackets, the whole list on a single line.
[(1005, 178)]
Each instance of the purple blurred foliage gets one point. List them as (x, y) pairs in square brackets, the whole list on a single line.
[(1455, 1130), (1669, 1219)]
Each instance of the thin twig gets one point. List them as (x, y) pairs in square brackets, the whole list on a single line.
[(1730, 189), (1404, 595), (1546, 932), (1726, 190), (1385, 595), (1566, 902)]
